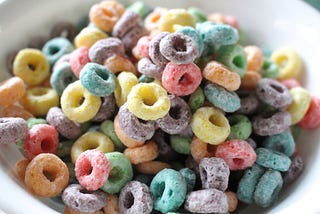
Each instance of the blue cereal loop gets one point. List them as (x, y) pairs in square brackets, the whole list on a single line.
[(61, 77), (282, 142), (56, 48), (272, 159), (191, 32)]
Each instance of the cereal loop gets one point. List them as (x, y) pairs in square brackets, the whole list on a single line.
[(126, 80), (117, 64), (144, 153), (88, 36), (151, 167), (254, 58), (174, 19), (200, 149), (11, 91)]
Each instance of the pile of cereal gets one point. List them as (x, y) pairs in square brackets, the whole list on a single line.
[(161, 110)]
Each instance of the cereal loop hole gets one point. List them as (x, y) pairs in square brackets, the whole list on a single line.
[(174, 112), (128, 200), (53, 50), (46, 145), (216, 121), (277, 88), (237, 61)]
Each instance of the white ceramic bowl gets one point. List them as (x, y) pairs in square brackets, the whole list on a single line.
[(269, 24)]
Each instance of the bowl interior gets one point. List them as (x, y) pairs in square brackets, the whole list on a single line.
[(266, 24)]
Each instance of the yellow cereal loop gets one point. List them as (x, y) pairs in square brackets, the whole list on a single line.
[(300, 104), (91, 140), (126, 80), (289, 62), (175, 19), (88, 36), (78, 104), (31, 66), (148, 101), (210, 125), (38, 100)]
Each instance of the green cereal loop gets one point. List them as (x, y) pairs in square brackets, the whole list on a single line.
[(107, 128), (191, 32), (240, 127), (268, 188), (234, 57), (197, 14), (72, 175), (220, 97), (269, 69), (34, 121), (296, 131), (180, 144), (144, 178), (248, 183), (282, 142), (64, 148), (169, 189), (120, 172), (190, 178), (272, 159), (145, 78), (140, 8), (196, 100)]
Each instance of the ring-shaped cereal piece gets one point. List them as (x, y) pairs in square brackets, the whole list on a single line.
[(289, 63), (181, 80), (16, 111), (78, 104), (31, 66), (174, 19), (112, 206), (92, 169), (154, 49), (124, 138), (117, 64), (20, 169), (106, 110), (151, 22), (78, 59), (249, 102), (107, 127), (12, 129), (11, 91), (311, 119), (268, 188), (191, 32), (69, 210), (217, 73), (39, 168), (61, 77), (126, 80), (120, 172), (81, 200), (91, 140), (200, 149), (97, 79), (147, 67), (144, 153), (131, 38), (254, 58), (128, 20), (282, 142), (210, 125), (250, 80), (55, 48), (106, 14), (41, 138), (269, 69), (148, 101), (88, 36), (179, 48), (168, 189), (272, 159), (64, 125), (151, 167), (39, 100), (240, 126), (133, 127), (141, 49), (301, 100)]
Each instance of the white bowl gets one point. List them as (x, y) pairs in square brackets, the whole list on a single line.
[(269, 24)]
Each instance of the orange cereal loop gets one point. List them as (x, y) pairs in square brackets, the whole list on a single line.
[(68, 210), (254, 58), (112, 206), (216, 17), (232, 201), (117, 64), (20, 168), (147, 152), (46, 175), (125, 139), (151, 167), (200, 149), (250, 80), (11, 90), (106, 14), (221, 75), (16, 111), (151, 22)]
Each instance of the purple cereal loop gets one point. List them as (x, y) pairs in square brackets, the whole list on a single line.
[(131, 38), (135, 197), (147, 67), (136, 129), (105, 48), (274, 93), (107, 109), (187, 132), (154, 49), (177, 118), (266, 124), (63, 125), (252, 143), (64, 29), (12, 129), (295, 169), (128, 20), (249, 103), (179, 48), (77, 198)]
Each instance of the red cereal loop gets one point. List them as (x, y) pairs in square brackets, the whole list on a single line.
[(311, 119), (238, 154), (181, 79), (41, 138), (290, 83), (92, 169), (78, 59)]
